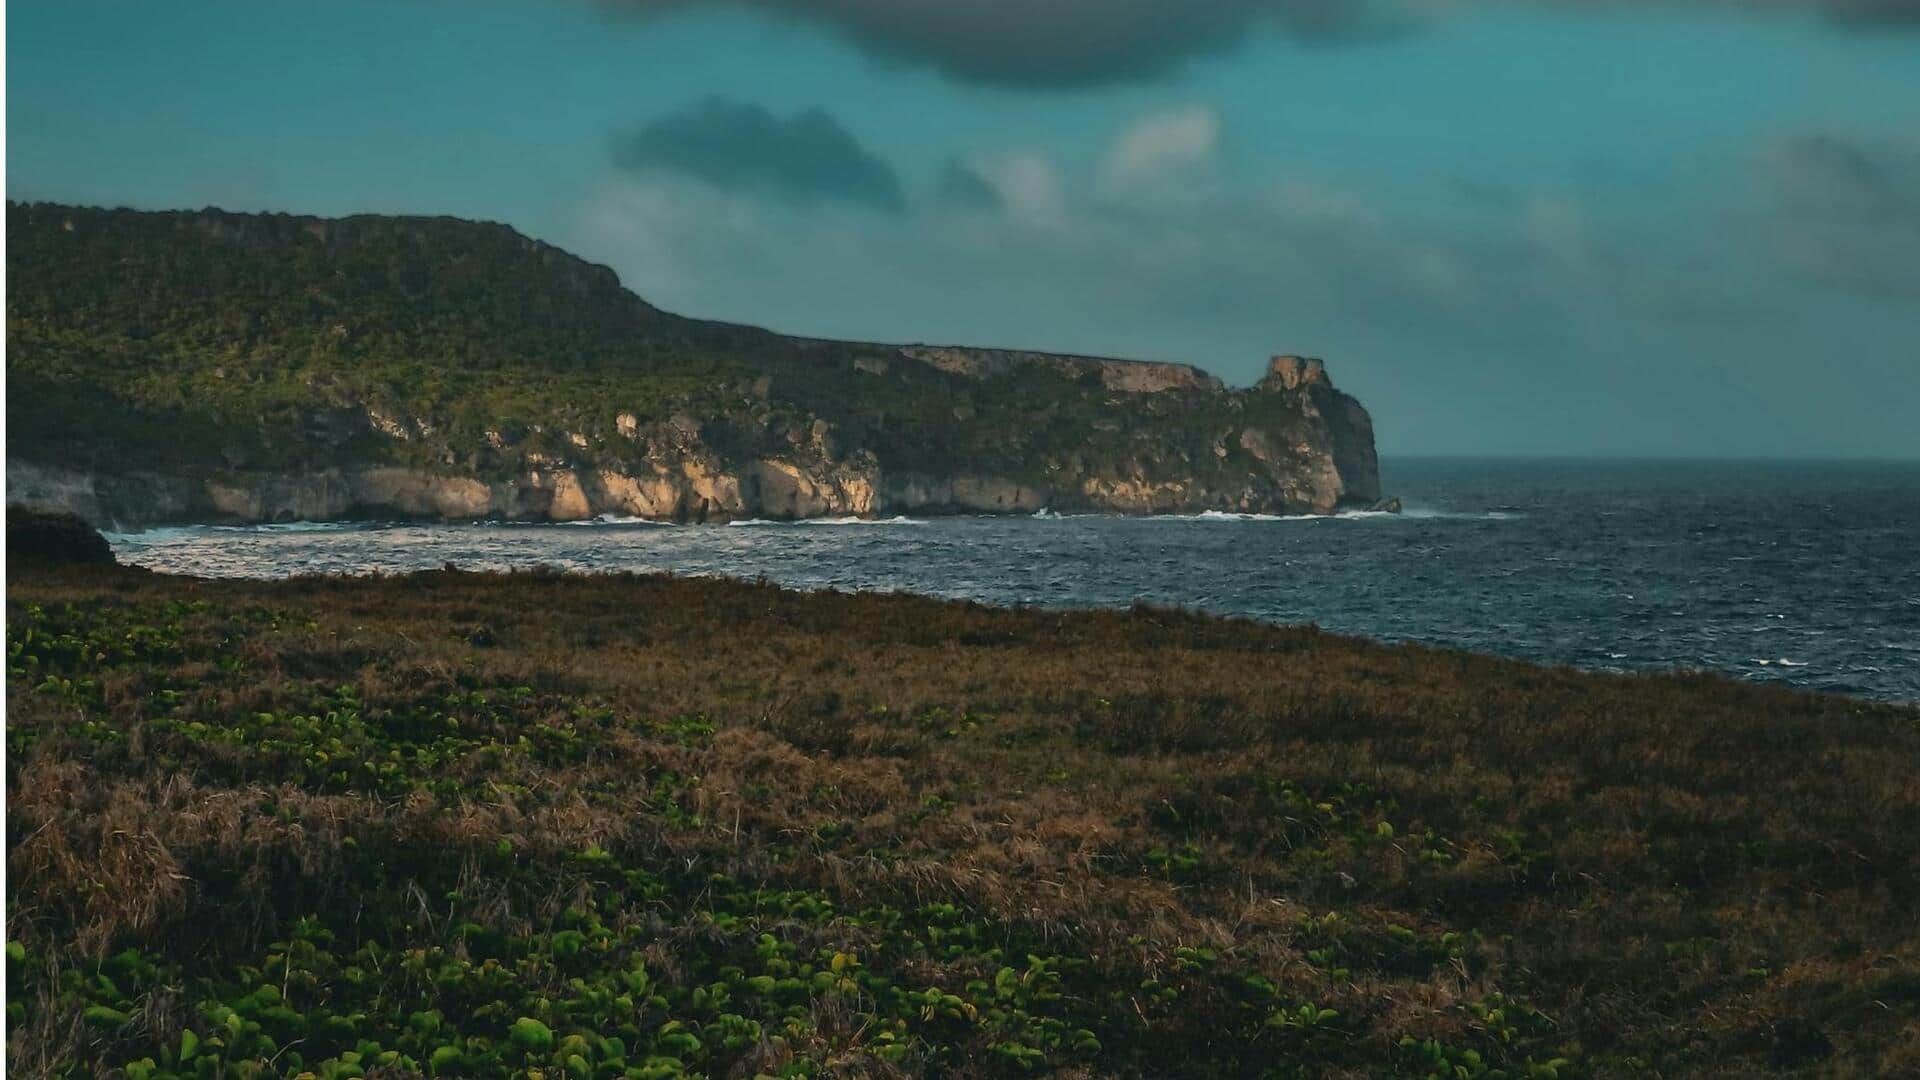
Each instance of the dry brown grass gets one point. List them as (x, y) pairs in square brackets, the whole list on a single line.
[(1685, 874)]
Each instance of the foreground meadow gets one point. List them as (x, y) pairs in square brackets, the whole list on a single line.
[(473, 825)]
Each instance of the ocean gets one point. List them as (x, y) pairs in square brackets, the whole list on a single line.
[(1806, 574)]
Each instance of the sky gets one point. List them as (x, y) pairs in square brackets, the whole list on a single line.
[(1580, 227)]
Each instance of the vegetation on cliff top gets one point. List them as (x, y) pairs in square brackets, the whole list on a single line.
[(204, 341), (468, 825)]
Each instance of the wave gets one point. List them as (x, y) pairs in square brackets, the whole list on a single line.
[(297, 527), (1781, 662), (156, 535), (1234, 515), (760, 522), (1428, 513), (618, 519), (1410, 514), (164, 533)]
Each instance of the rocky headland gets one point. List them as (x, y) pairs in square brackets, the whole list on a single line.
[(206, 366)]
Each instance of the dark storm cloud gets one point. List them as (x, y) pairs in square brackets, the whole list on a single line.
[(805, 159), (960, 186), (1868, 14), (1873, 183), (1849, 212), (1065, 43), (1073, 43), (1853, 14)]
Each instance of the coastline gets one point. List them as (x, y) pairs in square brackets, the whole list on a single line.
[(1605, 569), (759, 491)]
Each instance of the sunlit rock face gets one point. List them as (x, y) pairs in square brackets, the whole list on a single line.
[(1293, 372)]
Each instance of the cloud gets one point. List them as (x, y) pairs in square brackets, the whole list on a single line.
[(1079, 43), (1028, 187), (1303, 200), (1161, 146), (962, 187), (1876, 184), (1558, 227), (1853, 14), (1847, 213), (1294, 263), (805, 159), (1069, 43), (1866, 14), (1539, 318)]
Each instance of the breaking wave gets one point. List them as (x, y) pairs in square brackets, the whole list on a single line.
[(761, 522)]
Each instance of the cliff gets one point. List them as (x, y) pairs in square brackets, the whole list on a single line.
[(212, 366)]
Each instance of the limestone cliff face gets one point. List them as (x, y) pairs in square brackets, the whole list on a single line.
[(1290, 444), (205, 366)]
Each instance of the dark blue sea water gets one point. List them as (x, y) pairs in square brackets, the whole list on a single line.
[(1807, 574)]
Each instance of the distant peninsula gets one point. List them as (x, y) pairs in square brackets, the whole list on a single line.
[(215, 367)]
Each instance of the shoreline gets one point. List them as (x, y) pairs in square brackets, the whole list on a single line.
[(1344, 574), (379, 577), (918, 518)]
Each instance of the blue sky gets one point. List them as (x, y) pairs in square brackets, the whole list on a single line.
[(1525, 227)]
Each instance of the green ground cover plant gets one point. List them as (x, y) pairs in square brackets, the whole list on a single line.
[(458, 824)]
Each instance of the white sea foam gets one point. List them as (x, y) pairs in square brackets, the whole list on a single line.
[(158, 535), (619, 519), (293, 527), (1411, 514), (1408, 514), (1229, 515), (1428, 513), (163, 533), (759, 522)]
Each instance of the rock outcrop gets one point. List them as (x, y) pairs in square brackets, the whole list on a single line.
[(1293, 372), (54, 536)]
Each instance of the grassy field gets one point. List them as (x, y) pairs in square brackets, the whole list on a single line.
[(471, 825)]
